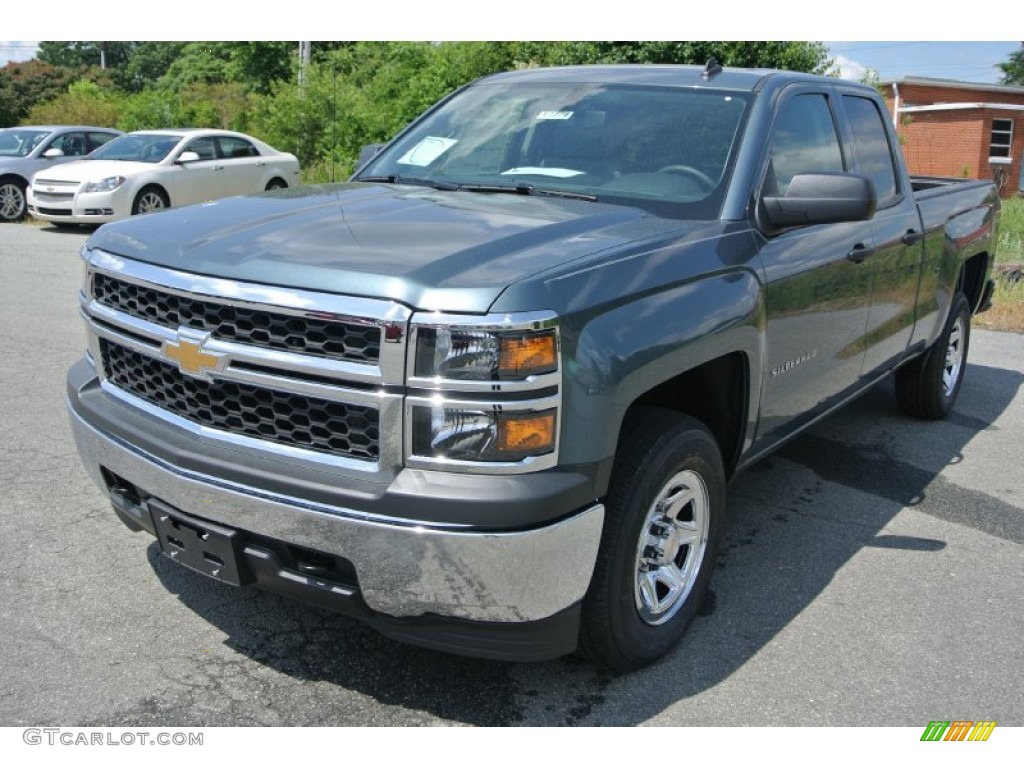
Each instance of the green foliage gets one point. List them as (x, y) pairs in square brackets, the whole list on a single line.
[(355, 93), (78, 54), (797, 56), (85, 103), (1010, 245), (1013, 68), (25, 84), (148, 62)]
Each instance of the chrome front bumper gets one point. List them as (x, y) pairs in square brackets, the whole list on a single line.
[(404, 570)]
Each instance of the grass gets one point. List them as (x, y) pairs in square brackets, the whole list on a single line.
[(1007, 313)]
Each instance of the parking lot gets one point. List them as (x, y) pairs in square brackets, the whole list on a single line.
[(873, 575)]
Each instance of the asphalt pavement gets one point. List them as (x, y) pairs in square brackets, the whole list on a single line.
[(873, 574)]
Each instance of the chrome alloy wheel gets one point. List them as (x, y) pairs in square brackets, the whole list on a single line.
[(12, 202), (954, 358), (671, 547), (150, 202)]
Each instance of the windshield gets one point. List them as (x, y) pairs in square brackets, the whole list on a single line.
[(663, 149), (16, 142), (137, 147)]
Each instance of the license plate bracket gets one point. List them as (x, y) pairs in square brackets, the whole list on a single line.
[(210, 549)]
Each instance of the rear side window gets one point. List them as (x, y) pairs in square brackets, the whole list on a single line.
[(804, 140), (98, 139), (231, 146), (872, 144)]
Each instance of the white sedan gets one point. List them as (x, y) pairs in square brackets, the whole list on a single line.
[(148, 171)]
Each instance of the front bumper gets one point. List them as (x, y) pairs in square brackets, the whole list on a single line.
[(83, 208), (485, 584)]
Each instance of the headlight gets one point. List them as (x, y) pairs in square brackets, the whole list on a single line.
[(462, 354), (466, 434), (484, 392), (108, 184)]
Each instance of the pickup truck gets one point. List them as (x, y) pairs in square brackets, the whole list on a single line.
[(486, 396)]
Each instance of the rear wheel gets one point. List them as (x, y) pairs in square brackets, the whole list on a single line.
[(276, 184), (150, 200), (664, 515), (928, 387), (12, 200)]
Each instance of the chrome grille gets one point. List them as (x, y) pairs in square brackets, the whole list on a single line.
[(302, 421), (331, 339)]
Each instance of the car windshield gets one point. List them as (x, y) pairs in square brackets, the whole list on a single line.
[(19, 142), (667, 150), (137, 147)]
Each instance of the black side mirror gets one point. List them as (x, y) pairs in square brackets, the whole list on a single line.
[(820, 198)]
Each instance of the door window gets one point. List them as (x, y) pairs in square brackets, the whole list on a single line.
[(804, 140), (872, 143)]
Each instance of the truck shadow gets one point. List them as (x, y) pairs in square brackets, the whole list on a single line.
[(796, 519)]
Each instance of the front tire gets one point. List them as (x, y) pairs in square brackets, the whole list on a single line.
[(664, 517), (928, 387), (150, 200), (12, 200)]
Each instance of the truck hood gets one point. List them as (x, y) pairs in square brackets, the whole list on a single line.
[(429, 249)]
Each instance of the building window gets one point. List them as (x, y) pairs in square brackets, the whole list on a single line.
[(1002, 138)]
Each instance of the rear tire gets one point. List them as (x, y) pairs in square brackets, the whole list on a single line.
[(928, 387), (663, 522), (12, 200), (276, 184)]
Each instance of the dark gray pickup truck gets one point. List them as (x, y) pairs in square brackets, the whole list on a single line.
[(486, 396)]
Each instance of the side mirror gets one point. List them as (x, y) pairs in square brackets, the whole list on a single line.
[(187, 157), (367, 153), (821, 198), (51, 153)]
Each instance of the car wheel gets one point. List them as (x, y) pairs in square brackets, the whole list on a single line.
[(150, 200), (663, 519), (12, 200), (276, 184), (928, 387)]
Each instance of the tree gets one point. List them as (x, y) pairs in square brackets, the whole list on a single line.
[(148, 62), (82, 54), (25, 84), (774, 54), (1013, 68)]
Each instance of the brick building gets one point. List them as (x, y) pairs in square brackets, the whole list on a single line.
[(952, 128)]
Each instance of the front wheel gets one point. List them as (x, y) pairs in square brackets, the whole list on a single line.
[(928, 387), (150, 200), (12, 200), (664, 518)]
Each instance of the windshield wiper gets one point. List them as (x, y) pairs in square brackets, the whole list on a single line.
[(528, 189), (412, 181)]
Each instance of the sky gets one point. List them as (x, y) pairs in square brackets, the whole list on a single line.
[(970, 61)]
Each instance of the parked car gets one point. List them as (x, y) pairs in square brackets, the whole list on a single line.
[(31, 148), (148, 171)]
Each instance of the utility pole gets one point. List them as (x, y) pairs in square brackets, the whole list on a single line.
[(103, 56), (305, 56)]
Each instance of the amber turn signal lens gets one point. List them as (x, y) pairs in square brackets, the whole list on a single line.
[(523, 356), (527, 434)]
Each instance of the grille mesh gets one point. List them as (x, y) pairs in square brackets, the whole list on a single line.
[(298, 420), (308, 336)]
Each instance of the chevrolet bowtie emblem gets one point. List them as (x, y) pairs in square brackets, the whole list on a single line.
[(188, 353)]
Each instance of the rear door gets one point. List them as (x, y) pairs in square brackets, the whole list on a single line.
[(895, 265), (243, 166), (817, 289)]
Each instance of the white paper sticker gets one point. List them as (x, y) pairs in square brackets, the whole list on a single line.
[(551, 115), (428, 150)]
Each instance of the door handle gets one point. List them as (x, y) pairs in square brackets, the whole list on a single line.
[(912, 237), (260, 164), (860, 252)]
